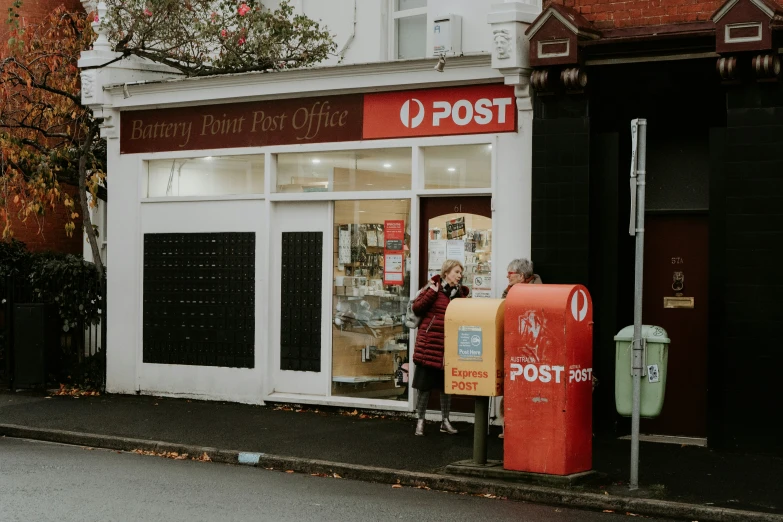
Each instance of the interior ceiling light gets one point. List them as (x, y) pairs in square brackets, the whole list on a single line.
[(452, 169), (316, 161), (387, 165)]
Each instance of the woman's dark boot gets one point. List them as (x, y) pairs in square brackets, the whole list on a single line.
[(446, 427)]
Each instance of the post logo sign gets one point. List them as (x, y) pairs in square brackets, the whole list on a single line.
[(579, 311), (440, 112), (470, 343)]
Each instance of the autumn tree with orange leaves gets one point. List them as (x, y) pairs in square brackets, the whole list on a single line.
[(47, 137)]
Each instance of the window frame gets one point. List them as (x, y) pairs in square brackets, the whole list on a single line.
[(394, 16)]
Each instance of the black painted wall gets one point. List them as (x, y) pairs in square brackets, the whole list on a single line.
[(560, 192), (749, 366)]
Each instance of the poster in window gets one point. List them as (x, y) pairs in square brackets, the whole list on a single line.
[(455, 228), (344, 245), (436, 254), (455, 249), (393, 252)]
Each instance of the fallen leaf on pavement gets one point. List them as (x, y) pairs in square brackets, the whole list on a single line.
[(396, 486), (75, 391), (608, 511), (202, 458), (289, 471), (335, 475)]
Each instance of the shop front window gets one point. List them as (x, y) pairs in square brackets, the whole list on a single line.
[(206, 176), (371, 293), (345, 171), (458, 167)]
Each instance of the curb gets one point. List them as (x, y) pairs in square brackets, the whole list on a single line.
[(518, 492)]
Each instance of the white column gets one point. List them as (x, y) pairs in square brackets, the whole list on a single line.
[(512, 203), (124, 273)]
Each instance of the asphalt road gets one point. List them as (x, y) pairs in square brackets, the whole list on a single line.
[(50, 482)]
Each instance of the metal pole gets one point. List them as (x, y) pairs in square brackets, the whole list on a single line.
[(480, 427), (637, 305)]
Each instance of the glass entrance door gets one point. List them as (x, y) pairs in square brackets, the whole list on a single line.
[(457, 228)]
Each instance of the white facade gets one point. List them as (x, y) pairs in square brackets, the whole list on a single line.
[(366, 67)]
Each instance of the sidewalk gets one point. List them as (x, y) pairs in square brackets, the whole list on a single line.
[(318, 437)]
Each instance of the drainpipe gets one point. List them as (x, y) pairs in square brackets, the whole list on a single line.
[(348, 42)]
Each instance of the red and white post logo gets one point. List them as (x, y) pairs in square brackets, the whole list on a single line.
[(407, 118), (440, 112)]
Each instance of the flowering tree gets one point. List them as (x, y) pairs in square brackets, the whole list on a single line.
[(206, 37), (47, 137)]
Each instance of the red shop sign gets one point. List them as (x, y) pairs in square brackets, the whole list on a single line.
[(440, 112)]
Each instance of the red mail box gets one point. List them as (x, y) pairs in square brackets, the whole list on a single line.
[(548, 366)]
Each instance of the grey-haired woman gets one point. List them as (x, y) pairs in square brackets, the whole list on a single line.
[(520, 271)]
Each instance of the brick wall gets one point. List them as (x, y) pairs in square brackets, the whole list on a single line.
[(616, 14), (48, 231), (35, 9)]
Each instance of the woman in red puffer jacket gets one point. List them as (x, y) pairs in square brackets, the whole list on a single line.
[(430, 304)]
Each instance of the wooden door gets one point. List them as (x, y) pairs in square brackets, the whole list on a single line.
[(676, 265)]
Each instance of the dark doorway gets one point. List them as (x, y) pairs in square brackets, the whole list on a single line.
[(681, 102)]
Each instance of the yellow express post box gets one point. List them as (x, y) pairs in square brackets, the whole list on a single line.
[(473, 357)]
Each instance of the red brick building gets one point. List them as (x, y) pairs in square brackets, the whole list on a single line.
[(616, 14), (706, 75), (47, 232)]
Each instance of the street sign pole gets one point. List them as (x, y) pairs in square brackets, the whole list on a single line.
[(638, 165)]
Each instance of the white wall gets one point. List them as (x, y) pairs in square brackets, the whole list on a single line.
[(370, 41), (374, 23), (235, 384)]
